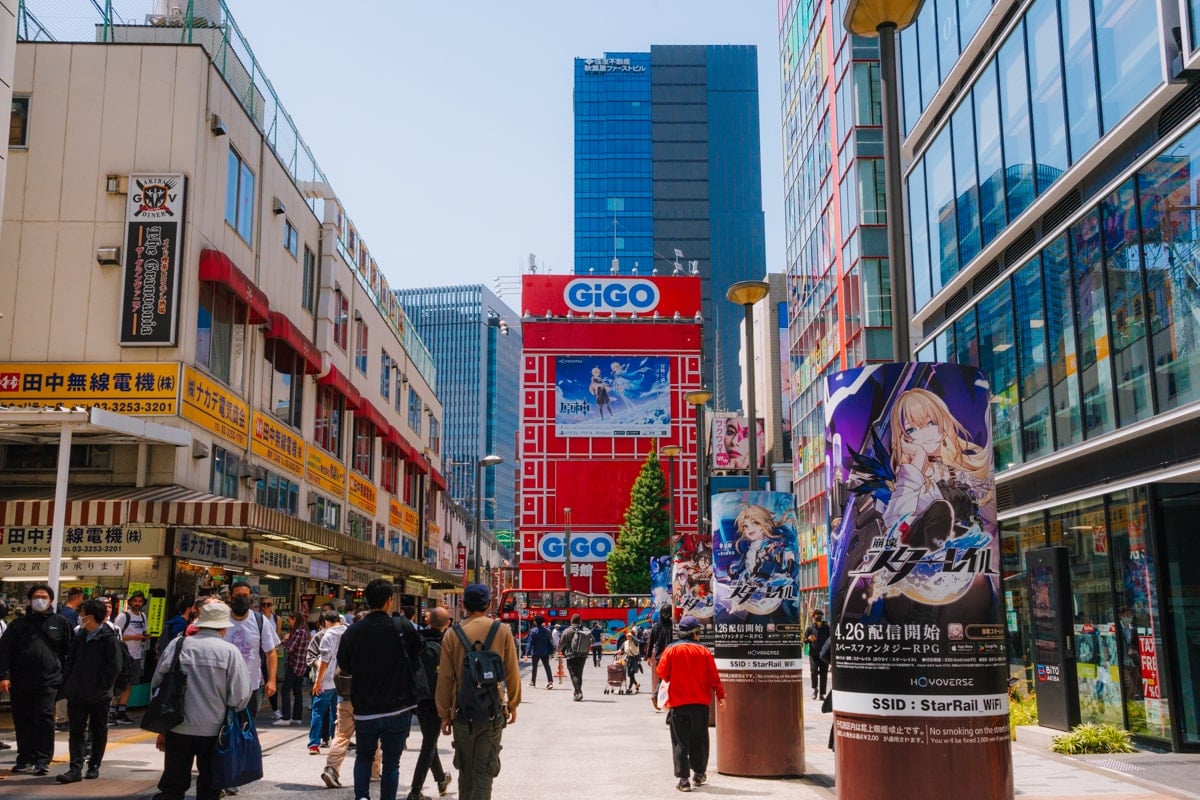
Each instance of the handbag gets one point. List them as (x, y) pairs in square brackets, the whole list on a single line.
[(663, 695), (165, 711), (341, 683), (237, 756)]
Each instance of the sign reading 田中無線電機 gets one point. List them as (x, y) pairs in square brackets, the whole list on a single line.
[(153, 247)]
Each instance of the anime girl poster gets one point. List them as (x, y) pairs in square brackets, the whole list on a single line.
[(660, 581), (692, 572), (914, 544)]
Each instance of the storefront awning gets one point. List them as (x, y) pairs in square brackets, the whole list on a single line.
[(370, 413), (216, 267), (438, 479), (394, 437), (283, 329), (341, 383)]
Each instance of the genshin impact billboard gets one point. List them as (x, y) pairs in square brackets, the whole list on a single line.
[(599, 396)]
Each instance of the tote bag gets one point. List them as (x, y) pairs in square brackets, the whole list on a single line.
[(165, 711), (237, 756)]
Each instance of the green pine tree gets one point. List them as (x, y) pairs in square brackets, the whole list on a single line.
[(644, 534)]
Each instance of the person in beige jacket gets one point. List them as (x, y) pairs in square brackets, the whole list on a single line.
[(477, 741)]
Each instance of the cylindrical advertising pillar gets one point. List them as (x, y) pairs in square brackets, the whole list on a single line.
[(919, 665), (757, 634)]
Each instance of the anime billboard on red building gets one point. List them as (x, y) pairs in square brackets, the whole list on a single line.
[(606, 364)]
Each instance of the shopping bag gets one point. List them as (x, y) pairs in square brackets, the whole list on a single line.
[(662, 695), (165, 711), (237, 756)]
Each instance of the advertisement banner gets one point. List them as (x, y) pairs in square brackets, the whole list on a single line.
[(38, 569), (660, 581), (362, 493), (143, 389), (604, 396), (274, 559), (155, 614), (325, 471), (692, 579), (731, 443), (756, 581), (81, 540), (213, 407), (612, 295), (153, 249), (213, 549), (277, 443)]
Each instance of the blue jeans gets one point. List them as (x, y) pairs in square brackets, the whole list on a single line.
[(320, 706), (389, 733)]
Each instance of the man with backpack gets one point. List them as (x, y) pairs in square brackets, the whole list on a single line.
[(252, 635), (575, 644), (135, 633), (437, 619), (95, 660), (477, 656), (540, 648), (381, 656)]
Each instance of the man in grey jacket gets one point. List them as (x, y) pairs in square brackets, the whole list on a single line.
[(217, 679)]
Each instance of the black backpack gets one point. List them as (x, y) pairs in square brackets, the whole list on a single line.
[(430, 655), (483, 669), (125, 673)]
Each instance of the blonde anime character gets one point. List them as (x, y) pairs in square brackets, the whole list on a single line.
[(765, 558), (618, 383), (599, 390)]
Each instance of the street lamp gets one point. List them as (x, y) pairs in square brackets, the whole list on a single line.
[(670, 451), (746, 294), (884, 18), (567, 550), (486, 461), (697, 399)]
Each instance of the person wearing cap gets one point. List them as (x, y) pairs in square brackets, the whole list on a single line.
[(217, 679), (131, 623), (575, 661), (815, 636), (691, 674)]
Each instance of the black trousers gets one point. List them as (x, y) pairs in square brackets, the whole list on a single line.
[(545, 662), (91, 719), (181, 749), (33, 719), (819, 671), (689, 739), (575, 667), (597, 652), (431, 729)]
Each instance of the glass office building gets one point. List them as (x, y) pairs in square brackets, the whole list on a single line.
[(668, 176), (475, 341), (1054, 225)]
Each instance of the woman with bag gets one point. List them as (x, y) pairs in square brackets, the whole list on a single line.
[(216, 680)]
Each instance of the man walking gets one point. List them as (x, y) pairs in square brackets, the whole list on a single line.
[(295, 668), (324, 693), (576, 643), (691, 671), (477, 731), (597, 644), (131, 623), (251, 634), (660, 637), (344, 731), (217, 679), (93, 663), (32, 652), (379, 654), (437, 619), (540, 648), (815, 636)]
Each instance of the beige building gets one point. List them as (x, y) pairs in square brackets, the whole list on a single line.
[(170, 250)]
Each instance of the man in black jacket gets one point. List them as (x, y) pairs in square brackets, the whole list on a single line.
[(661, 635), (32, 652), (437, 620), (379, 654), (93, 662), (815, 636)]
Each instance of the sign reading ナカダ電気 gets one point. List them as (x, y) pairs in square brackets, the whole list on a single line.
[(153, 248)]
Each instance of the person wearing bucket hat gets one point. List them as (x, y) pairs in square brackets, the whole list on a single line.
[(691, 675), (217, 679)]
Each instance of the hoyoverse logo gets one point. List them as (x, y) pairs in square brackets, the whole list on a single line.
[(628, 296)]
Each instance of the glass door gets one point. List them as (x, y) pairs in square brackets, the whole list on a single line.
[(1180, 510)]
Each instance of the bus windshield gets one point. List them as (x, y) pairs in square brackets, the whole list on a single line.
[(615, 613)]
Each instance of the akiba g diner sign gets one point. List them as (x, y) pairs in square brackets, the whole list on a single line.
[(153, 250)]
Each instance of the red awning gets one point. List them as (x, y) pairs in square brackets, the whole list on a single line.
[(438, 480), (370, 413), (419, 462), (394, 438), (341, 383), (216, 267), (284, 330)]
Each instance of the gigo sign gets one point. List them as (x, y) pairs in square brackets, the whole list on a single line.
[(621, 296), (584, 546)]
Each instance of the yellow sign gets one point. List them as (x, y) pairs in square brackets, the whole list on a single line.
[(277, 443), (325, 471), (362, 493), (212, 406), (410, 521), (143, 389), (154, 615), (395, 512), (144, 588)]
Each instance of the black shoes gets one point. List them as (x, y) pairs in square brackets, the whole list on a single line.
[(70, 776), (578, 696), (92, 773), (22, 768), (444, 784), (683, 785), (700, 778), (41, 770)]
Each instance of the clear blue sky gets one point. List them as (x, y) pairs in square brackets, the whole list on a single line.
[(446, 127)]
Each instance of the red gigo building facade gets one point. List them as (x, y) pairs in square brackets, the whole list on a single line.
[(607, 363)]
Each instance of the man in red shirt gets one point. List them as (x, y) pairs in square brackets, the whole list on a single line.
[(691, 674)]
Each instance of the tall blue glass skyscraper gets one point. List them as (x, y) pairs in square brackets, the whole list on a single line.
[(668, 175), (475, 340)]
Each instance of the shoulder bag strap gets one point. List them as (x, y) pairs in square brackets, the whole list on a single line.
[(487, 643), (462, 637)]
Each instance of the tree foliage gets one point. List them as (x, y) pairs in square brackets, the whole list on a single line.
[(645, 533)]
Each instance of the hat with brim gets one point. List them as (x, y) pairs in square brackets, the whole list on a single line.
[(214, 616), (688, 624)]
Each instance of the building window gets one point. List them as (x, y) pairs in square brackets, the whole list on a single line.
[(291, 239), (308, 286), (226, 468), (327, 428), (360, 346), (341, 319), (40, 457), (385, 376), (364, 447), (239, 197), (401, 380), (283, 384), (877, 291), (389, 468), (324, 512), (219, 333), (435, 435), (279, 493), (359, 527), (18, 123), (414, 411)]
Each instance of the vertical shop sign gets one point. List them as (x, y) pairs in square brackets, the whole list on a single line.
[(153, 249)]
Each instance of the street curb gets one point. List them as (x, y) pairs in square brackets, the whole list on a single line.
[(1116, 774)]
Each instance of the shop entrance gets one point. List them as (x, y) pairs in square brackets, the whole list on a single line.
[(1180, 509)]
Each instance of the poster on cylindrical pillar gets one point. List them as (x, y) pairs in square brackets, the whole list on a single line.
[(691, 580), (757, 633), (918, 637)]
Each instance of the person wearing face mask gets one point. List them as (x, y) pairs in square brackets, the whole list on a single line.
[(32, 653), (93, 662), (251, 634), (133, 628)]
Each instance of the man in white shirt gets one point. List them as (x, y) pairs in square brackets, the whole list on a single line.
[(255, 638), (131, 625)]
